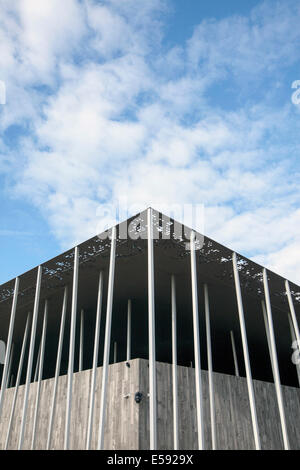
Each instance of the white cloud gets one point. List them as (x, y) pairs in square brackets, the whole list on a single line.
[(48, 31), (284, 261), (239, 45), (124, 119)]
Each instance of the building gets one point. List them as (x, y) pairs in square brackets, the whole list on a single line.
[(154, 337)]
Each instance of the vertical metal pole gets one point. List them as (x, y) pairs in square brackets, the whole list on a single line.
[(174, 364), (37, 363), (275, 363), (293, 323), (128, 353), (40, 376), (236, 365), (210, 370), (115, 352), (10, 364), (71, 348), (267, 334), (110, 294), (20, 368), (293, 336), (293, 313), (246, 353), (151, 332), (30, 355), (57, 368), (9, 342), (95, 362), (81, 340), (198, 379)]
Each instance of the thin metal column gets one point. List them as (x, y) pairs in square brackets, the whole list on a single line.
[(293, 313), (57, 368), (293, 324), (151, 333), (275, 363), (267, 334), (128, 352), (293, 336), (30, 355), (110, 295), (246, 353), (81, 345), (11, 356), (198, 381), (40, 376), (236, 364), (71, 348), (95, 362), (174, 364), (35, 377), (210, 370), (8, 343), (115, 351), (20, 369)]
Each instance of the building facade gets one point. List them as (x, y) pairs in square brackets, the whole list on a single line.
[(150, 336)]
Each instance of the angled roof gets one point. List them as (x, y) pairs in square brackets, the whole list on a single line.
[(171, 256)]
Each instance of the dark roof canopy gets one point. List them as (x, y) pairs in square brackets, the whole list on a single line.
[(171, 256)]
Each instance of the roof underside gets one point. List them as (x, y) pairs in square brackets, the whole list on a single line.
[(171, 256)]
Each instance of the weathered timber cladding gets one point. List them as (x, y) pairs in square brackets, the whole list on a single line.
[(127, 423)]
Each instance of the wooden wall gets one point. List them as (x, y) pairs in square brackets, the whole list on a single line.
[(121, 414), (233, 419), (127, 423)]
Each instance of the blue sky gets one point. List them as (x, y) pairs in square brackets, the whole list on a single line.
[(144, 103)]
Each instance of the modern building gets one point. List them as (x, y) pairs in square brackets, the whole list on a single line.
[(150, 336)]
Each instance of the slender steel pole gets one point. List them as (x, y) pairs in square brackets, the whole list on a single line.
[(246, 353), (293, 324), (174, 364), (58, 364), (11, 356), (2, 356), (235, 361), (35, 377), (71, 349), (151, 333), (20, 369), (30, 355), (81, 340), (40, 376), (115, 351), (210, 370), (293, 336), (267, 334), (129, 308), (95, 362), (293, 313), (198, 379), (9, 342), (275, 363), (110, 295)]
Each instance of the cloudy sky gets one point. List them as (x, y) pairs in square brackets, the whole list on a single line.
[(149, 102)]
